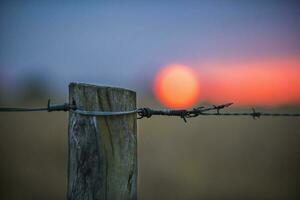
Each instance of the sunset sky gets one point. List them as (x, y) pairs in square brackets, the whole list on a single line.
[(242, 51)]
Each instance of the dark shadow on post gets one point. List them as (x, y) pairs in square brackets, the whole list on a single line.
[(102, 150)]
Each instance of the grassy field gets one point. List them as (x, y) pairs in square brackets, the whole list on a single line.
[(206, 158)]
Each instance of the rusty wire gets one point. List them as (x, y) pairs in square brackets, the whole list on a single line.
[(148, 112)]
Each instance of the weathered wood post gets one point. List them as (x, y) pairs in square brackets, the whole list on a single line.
[(102, 150)]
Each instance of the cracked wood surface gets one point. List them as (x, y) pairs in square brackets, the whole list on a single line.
[(102, 150)]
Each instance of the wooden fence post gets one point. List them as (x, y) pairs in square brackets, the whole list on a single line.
[(102, 150)]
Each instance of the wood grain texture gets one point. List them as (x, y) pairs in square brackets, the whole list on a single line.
[(102, 150)]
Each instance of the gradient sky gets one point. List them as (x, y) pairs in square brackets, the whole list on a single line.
[(126, 43)]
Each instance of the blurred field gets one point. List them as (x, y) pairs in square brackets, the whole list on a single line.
[(206, 158)]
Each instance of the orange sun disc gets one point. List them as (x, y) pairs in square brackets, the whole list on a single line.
[(177, 86)]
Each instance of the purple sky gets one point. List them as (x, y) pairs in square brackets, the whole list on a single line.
[(125, 43)]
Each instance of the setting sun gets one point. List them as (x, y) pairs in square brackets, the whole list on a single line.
[(177, 86)]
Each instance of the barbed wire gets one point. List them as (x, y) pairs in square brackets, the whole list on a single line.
[(148, 112), (184, 114), (49, 108)]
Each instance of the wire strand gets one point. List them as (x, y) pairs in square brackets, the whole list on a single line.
[(6, 109), (103, 113), (251, 114), (148, 112)]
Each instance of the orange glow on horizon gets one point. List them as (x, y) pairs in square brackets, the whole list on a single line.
[(177, 86), (265, 83)]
